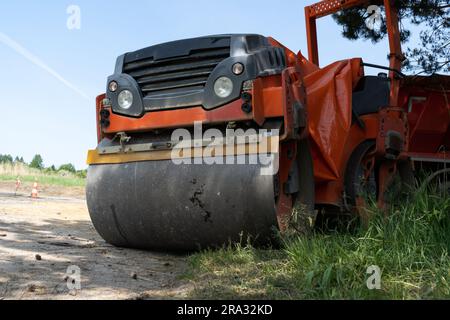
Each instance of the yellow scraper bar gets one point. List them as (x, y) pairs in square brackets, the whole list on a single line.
[(270, 147)]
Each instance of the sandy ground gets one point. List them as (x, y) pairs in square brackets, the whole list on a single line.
[(41, 238)]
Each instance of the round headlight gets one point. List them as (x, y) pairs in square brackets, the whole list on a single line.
[(113, 86), (238, 68), (223, 87), (125, 99)]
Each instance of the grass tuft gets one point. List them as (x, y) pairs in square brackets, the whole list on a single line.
[(410, 247)]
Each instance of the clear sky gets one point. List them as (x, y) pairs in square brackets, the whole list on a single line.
[(50, 75)]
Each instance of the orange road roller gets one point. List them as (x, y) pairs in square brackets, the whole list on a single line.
[(217, 139), (201, 142)]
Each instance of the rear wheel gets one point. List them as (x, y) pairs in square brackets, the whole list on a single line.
[(362, 182), (439, 182), (361, 185)]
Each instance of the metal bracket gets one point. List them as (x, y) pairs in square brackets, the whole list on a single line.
[(413, 99), (237, 140)]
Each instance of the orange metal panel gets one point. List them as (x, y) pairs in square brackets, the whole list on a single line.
[(267, 103), (98, 106), (177, 118), (272, 98)]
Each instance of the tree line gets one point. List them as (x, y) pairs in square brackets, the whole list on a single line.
[(38, 163)]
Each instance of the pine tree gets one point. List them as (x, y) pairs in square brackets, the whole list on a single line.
[(432, 54)]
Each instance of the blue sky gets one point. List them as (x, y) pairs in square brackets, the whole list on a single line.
[(41, 114)]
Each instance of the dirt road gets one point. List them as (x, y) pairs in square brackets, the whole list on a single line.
[(41, 238)]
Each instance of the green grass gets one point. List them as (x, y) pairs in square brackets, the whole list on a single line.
[(10, 171), (65, 181), (411, 248)]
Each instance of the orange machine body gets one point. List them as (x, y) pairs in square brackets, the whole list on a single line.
[(326, 94), (418, 110), (426, 100), (334, 134), (272, 97)]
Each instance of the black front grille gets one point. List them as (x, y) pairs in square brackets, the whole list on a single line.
[(176, 76)]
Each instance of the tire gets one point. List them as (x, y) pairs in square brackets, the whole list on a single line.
[(352, 184), (402, 185)]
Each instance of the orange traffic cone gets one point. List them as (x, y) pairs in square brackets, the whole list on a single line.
[(18, 184), (34, 191)]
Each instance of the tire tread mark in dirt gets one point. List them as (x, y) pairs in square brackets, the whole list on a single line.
[(195, 199), (116, 222)]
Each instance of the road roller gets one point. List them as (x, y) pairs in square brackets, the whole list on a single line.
[(219, 139), (201, 142)]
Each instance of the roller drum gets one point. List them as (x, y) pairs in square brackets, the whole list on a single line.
[(159, 205)]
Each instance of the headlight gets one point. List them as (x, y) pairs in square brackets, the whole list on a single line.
[(125, 99), (113, 86), (238, 68), (223, 87)]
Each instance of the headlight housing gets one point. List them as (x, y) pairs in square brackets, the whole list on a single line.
[(125, 99), (223, 87)]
